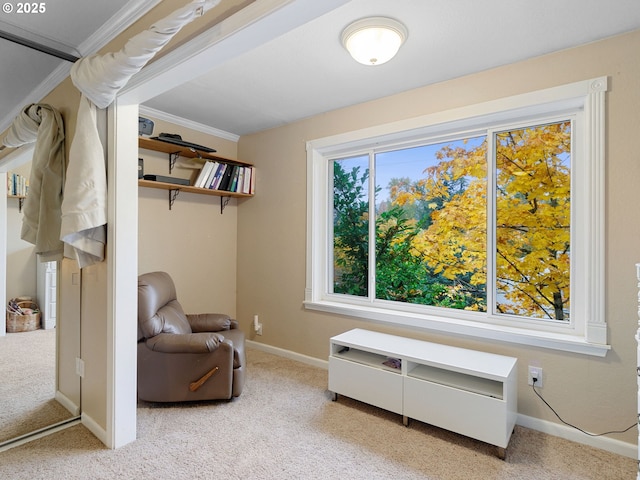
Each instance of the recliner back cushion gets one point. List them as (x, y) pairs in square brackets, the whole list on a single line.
[(158, 309)]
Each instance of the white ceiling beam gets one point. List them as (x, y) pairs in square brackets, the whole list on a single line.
[(247, 29)]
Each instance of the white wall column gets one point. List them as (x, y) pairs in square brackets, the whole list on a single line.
[(122, 273)]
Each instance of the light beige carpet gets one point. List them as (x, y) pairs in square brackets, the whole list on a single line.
[(285, 426), (28, 383)]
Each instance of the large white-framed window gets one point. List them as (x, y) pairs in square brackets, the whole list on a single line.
[(486, 220)]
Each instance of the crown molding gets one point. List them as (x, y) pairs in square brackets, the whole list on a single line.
[(124, 18), (183, 122)]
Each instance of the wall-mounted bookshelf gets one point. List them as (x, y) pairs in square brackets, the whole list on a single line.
[(177, 151)]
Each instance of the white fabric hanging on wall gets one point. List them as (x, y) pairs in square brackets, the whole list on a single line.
[(100, 78), (84, 209), (24, 129), (42, 124)]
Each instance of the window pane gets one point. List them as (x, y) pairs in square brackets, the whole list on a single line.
[(533, 221), (351, 226), (431, 224)]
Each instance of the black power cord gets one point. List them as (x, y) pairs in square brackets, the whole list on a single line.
[(573, 426)]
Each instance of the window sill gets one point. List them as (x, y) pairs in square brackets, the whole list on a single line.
[(532, 338)]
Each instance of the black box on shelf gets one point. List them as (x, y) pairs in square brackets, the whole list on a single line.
[(162, 178)]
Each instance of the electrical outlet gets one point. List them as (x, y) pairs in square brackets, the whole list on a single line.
[(257, 326), (535, 372)]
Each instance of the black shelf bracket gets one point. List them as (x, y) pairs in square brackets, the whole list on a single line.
[(173, 158), (173, 194), (20, 204), (224, 201)]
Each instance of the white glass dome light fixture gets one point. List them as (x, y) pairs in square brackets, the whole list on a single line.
[(375, 40)]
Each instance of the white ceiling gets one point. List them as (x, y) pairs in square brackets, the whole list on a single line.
[(307, 71)]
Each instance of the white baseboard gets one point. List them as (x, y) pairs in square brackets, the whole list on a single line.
[(604, 443), (67, 403), (314, 362), (95, 428)]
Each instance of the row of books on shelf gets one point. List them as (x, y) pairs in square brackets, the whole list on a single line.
[(17, 184), (226, 176)]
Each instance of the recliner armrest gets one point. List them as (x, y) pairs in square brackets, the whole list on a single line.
[(209, 322), (202, 342)]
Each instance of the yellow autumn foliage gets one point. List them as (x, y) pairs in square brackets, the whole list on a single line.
[(532, 218)]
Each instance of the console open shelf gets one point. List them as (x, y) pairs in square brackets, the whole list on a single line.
[(367, 358)]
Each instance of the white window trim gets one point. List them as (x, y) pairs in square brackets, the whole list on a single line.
[(590, 336)]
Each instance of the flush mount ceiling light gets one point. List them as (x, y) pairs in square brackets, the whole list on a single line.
[(375, 40)]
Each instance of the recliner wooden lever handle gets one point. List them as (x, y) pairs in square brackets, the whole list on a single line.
[(193, 386)]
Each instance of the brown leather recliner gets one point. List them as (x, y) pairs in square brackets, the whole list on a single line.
[(183, 357)]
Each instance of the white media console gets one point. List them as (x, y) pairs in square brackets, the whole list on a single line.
[(466, 391)]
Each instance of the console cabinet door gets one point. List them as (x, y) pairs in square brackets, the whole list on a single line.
[(471, 414), (371, 385)]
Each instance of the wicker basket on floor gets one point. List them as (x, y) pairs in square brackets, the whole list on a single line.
[(24, 323)]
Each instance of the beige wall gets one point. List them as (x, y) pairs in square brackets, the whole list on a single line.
[(193, 241), (598, 394), (68, 330)]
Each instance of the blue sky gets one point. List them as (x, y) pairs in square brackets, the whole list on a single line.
[(410, 162), (406, 162)]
